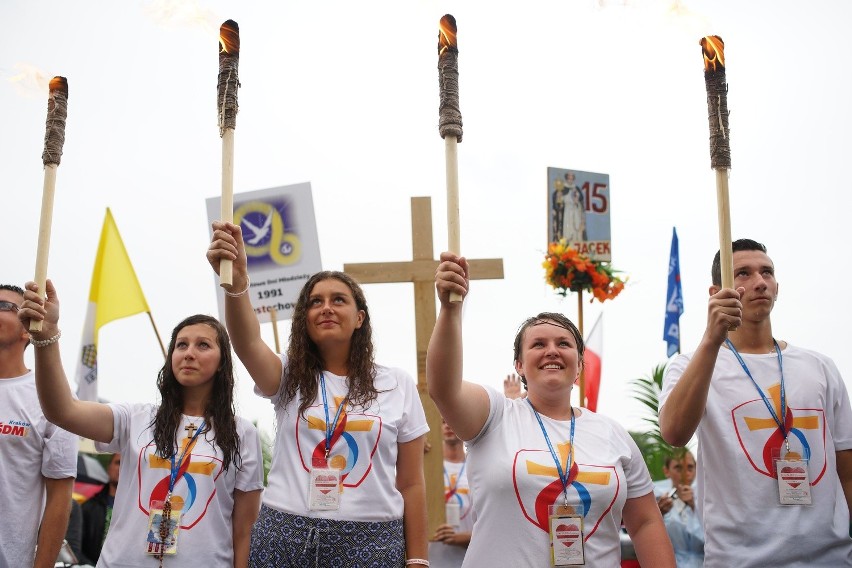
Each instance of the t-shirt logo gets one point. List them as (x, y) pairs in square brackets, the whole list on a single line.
[(353, 442), (460, 495), (195, 484), (761, 439), (18, 428), (592, 489)]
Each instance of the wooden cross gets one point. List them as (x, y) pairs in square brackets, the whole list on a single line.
[(190, 429), (421, 271)]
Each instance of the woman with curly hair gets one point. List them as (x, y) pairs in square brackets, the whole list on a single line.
[(346, 486), (191, 471)]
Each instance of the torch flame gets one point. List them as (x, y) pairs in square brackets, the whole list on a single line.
[(713, 49), (229, 38), (447, 34), (59, 84)]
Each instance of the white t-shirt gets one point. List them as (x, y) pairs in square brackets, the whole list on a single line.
[(30, 448), (456, 490), (366, 446), (514, 480), (743, 523), (206, 535)]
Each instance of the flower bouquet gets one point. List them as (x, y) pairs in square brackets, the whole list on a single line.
[(566, 270)]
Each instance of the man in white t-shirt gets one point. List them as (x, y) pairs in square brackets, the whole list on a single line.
[(772, 490), (38, 461), (449, 543)]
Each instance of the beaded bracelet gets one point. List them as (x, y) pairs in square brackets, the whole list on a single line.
[(46, 342), (238, 294), (419, 561)]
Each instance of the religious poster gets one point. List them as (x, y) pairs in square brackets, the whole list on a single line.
[(578, 211), (280, 234)]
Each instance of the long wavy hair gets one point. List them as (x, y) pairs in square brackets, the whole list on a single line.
[(304, 360), (219, 414)]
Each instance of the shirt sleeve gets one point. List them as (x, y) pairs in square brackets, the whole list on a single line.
[(496, 407), (59, 459), (274, 398), (250, 472), (839, 419), (120, 428), (635, 471), (674, 371), (413, 421)]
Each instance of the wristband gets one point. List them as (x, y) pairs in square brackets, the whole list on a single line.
[(238, 294), (420, 561), (46, 342)]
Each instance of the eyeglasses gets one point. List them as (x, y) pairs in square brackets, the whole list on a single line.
[(8, 306)]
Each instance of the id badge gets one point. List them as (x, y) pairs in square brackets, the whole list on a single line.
[(566, 537), (453, 512), (324, 487), (155, 543), (794, 482)]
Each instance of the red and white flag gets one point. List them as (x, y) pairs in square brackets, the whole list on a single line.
[(592, 358)]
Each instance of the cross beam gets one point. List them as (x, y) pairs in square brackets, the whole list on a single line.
[(421, 272)]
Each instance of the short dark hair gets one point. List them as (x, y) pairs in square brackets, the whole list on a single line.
[(548, 317), (677, 457), (12, 288), (736, 246)]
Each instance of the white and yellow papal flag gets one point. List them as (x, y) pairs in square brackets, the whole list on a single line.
[(115, 293)]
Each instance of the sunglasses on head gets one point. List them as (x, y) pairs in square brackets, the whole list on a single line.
[(8, 306)]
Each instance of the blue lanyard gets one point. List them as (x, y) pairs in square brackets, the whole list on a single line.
[(329, 428), (456, 484), (563, 475), (769, 407), (176, 466)]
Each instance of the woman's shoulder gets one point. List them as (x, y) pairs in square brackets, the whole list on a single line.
[(601, 421)]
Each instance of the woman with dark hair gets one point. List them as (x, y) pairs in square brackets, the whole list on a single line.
[(551, 482), (191, 471), (346, 486)]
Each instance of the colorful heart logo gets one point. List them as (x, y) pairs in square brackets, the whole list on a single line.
[(567, 534), (794, 476), (325, 483)]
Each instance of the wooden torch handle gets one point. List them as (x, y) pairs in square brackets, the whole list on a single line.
[(47, 194), (453, 225), (726, 257), (226, 267)]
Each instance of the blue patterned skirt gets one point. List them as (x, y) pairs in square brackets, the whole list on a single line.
[(280, 540)]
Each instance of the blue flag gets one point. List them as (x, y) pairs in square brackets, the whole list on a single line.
[(674, 301)]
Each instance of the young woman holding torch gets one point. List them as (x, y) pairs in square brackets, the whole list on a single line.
[(346, 486), (551, 482), (191, 471)]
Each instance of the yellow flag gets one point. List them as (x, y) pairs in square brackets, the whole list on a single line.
[(115, 289), (115, 293)]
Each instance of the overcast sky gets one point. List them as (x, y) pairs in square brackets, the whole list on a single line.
[(344, 95)]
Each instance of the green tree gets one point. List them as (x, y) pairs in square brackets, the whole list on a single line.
[(654, 448)]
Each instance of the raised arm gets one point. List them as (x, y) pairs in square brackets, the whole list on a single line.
[(260, 361), (684, 407), (91, 420), (463, 405)]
